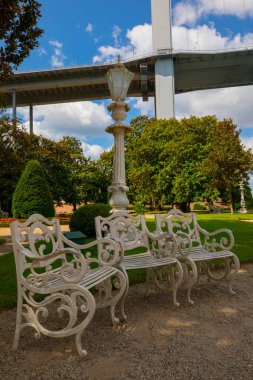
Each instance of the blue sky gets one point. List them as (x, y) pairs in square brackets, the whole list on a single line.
[(82, 32)]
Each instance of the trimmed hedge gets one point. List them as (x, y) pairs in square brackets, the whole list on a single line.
[(83, 218), (32, 194)]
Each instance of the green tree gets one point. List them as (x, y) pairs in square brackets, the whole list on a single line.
[(178, 162), (54, 157), (19, 32), (228, 162), (32, 194), (17, 147), (74, 163)]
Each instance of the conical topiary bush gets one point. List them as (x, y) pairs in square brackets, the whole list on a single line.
[(32, 194)]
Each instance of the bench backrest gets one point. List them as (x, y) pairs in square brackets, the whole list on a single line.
[(178, 222), (37, 237), (130, 230)]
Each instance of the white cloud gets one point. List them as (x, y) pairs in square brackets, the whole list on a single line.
[(145, 108), (206, 37), (92, 151), (202, 37), (57, 59), (140, 38), (235, 103), (82, 120), (42, 51), (56, 44), (247, 142), (116, 34), (89, 28), (188, 12), (140, 42)]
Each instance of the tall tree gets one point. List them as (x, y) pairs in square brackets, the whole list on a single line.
[(19, 32), (17, 147), (228, 162), (32, 194), (183, 161), (74, 162)]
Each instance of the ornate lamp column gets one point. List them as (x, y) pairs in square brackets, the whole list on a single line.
[(119, 79), (243, 209)]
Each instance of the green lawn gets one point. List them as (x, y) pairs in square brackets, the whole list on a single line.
[(243, 233)]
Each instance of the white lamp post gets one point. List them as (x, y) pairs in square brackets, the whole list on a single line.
[(243, 209), (119, 79)]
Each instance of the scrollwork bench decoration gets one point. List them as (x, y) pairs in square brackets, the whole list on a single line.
[(164, 271), (55, 282), (199, 249)]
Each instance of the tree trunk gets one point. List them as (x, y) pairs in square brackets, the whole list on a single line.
[(231, 200)]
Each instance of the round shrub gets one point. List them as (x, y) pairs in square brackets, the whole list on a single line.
[(32, 194), (199, 207), (83, 218)]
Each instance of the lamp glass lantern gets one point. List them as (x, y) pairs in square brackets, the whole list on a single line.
[(119, 80)]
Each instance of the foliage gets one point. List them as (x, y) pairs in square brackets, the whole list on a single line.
[(17, 147), (63, 163), (139, 207), (227, 161), (178, 161), (19, 32), (96, 178), (32, 194), (8, 282), (83, 218), (2, 240), (74, 163), (62, 167), (198, 207)]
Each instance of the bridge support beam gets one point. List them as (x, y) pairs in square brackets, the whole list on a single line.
[(164, 67)]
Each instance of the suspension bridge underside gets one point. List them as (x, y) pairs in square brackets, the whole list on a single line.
[(193, 71)]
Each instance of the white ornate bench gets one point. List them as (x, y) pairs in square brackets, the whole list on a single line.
[(163, 269), (59, 288), (200, 248)]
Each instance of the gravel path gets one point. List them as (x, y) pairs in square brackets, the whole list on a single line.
[(211, 340)]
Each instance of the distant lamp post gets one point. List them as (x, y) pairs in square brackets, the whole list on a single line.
[(119, 79), (243, 209)]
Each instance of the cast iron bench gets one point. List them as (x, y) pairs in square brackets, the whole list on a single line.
[(164, 271), (59, 288), (200, 248)]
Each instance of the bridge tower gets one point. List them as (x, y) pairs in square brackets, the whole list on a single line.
[(164, 67)]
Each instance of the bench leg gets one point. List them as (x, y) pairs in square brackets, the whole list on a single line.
[(165, 278), (176, 278), (90, 308), (122, 301), (71, 300), (18, 321), (120, 282), (234, 270), (112, 292), (190, 277), (231, 268)]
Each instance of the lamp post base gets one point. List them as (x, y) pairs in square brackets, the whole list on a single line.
[(118, 200)]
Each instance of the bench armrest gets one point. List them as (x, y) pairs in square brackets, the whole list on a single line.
[(218, 240), (164, 245), (66, 265), (184, 243), (110, 251)]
